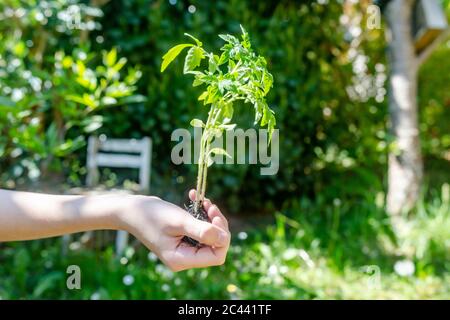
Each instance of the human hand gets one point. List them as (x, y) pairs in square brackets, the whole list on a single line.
[(160, 226)]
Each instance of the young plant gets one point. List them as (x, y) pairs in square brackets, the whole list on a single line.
[(238, 73)]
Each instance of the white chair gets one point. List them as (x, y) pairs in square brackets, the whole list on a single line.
[(119, 153), (116, 153)]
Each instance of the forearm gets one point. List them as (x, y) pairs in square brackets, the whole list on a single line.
[(26, 216)]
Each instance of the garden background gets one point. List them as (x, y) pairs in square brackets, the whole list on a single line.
[(317, 229)]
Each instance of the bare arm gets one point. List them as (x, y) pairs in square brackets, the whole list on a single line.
[(156, 223), (26, 215)]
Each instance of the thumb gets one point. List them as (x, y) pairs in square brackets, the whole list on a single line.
[(205, 232)]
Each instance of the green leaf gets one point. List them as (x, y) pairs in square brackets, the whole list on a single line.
[(215, 132), (228, 127), (199, 79), (193, 59), (212, 65), (109, 101), (119, 65), (227, 112), (212, 94), (266, 115), (110, 58), (92, 123), (81, 68), (69, 146), (219, 151), (223, 58), (88, 80), (267, 82), (260, 107), (86, 100), (136, 98), (203, 96), (210, 162), (225, 85), (48, 282), (198, 42), (133, 76), (271, 125), (229, 38), (67, 62), (20, 49), (269, 120), (172, 54), (245, 39), (197, 123), (119, 90)]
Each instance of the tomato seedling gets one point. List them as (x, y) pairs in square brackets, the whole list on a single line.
[(238, 73)]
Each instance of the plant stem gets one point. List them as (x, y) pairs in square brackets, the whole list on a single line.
[(202, 163), (205, 172), (198, 197), (205, 143)]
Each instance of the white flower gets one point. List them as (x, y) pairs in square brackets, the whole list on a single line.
[(290, 254), (76, 245), (273, 270), (152, 257), (284, 269), (404, 268), (165, 287), (242, 235), (129, 252), (95, 296), (17, 95), (128, 280), (305, 257), (192, 9)]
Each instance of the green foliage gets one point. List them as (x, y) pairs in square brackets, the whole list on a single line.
[(323, 133), (300, 256), (51, 95), (327, 139), (245, 78), (172, 54), (58, 79)]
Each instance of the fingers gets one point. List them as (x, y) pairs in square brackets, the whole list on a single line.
[(206, 202), (207, 233), (192, 194), (186, 257), (214, 214), (212, 210)]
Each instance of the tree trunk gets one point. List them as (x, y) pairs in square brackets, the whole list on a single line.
[(405, 161)]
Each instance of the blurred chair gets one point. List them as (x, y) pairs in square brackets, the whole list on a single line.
[(116, 153)]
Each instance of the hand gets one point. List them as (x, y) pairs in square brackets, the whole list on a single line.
[(160, 226)]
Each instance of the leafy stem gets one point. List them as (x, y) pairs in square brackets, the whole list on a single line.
[(236, 74)]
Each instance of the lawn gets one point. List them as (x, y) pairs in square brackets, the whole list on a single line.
[(313, 250)]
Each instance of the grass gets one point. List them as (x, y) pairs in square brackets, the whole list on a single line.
[(315, 250)]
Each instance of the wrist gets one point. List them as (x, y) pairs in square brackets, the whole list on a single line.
[(95, 212), (133, 210)]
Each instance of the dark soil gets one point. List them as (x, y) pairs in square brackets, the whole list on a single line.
[(200, 214)]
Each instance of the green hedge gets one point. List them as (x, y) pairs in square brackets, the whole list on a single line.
[(306, 52), (330, 144)]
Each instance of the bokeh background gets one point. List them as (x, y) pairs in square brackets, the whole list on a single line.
[(318, 229)]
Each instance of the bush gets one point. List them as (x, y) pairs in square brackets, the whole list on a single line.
[(308, 55)]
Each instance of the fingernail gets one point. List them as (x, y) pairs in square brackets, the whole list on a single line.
[(222, 239)]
